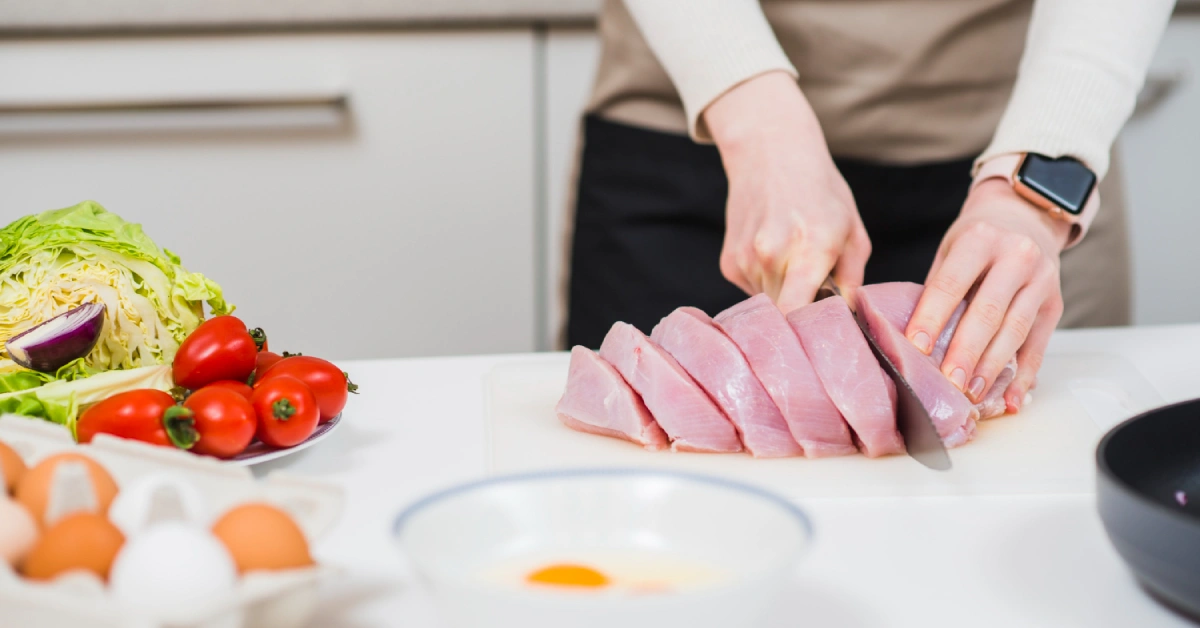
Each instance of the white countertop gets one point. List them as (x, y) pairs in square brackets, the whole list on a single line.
[(944, 561)]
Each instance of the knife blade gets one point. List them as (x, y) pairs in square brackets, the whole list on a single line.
[(921, 439)]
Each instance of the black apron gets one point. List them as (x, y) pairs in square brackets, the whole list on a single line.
[(650, 222)]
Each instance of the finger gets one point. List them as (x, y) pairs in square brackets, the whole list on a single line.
[(986, 315), (852, 265), (733, 273), (1018, 322), (803, 277), (963, 265), (1029, 357)]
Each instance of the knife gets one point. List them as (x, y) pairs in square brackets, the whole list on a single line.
[(921, 439)]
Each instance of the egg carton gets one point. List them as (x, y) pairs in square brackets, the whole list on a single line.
[(280, 599)]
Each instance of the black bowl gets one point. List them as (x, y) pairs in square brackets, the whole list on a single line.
[(1148, 494)]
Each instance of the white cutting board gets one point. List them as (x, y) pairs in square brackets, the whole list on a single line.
[(1047, 448)]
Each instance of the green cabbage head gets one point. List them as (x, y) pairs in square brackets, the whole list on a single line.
[(61, 259)]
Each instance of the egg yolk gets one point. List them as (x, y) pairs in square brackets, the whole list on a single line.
[(569, 576)]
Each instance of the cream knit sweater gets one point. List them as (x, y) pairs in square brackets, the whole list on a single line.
[(1083, 65)]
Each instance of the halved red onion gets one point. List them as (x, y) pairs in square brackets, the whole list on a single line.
[(54, 343)]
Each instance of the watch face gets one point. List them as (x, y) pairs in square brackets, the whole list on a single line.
[(1064, 181)]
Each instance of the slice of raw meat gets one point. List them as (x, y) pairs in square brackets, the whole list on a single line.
[(716, 363), (903, 300), (953, 414), (680, 407), (779, 362), (599, 401), (853, 378)]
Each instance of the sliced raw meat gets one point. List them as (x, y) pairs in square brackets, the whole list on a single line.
[(599, 401), (681, 408), (853, 378), (779, 362), (902, 300), (953, 414), (716, 363)]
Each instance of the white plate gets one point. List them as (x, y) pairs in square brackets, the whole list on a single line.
[(259, 452)]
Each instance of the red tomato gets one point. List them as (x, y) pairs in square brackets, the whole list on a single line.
[(263, 361), (328, 383), (287, 411), (147, 415), (240, 388), (220, 348), (225, 420)]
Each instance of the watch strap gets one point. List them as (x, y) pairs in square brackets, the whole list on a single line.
[(1005, 167)]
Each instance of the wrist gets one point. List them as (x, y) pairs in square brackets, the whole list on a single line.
[(762, 110)]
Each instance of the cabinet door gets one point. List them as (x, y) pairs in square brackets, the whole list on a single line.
[(571, 56), (358, 195), (1159, 157)]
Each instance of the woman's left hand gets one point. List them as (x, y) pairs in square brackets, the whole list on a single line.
[(1006, 251)]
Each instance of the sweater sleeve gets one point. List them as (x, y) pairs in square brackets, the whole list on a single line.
[(1084, 63), (707, 47)]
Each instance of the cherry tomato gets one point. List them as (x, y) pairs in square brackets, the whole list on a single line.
[(147, 415), (263, 361), (240, 388), (220, 348), (224, 419), (328, 383), (287, 411)]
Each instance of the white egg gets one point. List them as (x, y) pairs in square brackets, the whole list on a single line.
[(18, 531), (154, 498), (176, 572)]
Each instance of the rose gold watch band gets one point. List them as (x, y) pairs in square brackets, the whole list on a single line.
[(1005, 167)]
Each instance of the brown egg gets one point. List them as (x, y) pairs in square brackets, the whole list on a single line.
[(83, 540), (12, 466), (261, 536), (34, 488)]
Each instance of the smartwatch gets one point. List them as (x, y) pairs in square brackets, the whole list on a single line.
[(1060, 186)]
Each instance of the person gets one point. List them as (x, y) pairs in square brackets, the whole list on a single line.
[(731, 148)]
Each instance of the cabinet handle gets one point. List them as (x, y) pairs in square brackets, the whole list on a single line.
[(1157, 89), (256, 113)]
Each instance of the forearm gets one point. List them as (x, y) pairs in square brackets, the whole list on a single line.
[(1084, 63), (707, 47)]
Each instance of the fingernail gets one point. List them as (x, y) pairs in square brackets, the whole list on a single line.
[(975, 389), (922, 342), (959, 377)]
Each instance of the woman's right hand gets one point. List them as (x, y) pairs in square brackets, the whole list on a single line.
[(790, 217)]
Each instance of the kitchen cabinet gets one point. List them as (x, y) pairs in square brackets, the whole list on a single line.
[(1158, 149), (570, 66), (360, 195)]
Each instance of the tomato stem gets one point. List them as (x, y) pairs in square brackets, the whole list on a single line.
[(289, 354), (260, 337), (180, 425), (179, 393), (351, 387), (283, 409)]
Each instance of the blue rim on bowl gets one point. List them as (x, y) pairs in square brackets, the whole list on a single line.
[(433, 498)]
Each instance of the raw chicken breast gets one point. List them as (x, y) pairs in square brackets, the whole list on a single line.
[(903, 300), (953, 414), (717, 364), (598, 401), (853, 378), (777, 359), (681, 408)]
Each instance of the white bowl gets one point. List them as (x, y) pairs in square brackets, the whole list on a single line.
[(726, 549)]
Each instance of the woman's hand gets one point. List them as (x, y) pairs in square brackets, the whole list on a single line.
[(1007, 251), (790, 217)]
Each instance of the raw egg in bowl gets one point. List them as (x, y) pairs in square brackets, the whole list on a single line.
[(610, 547)]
